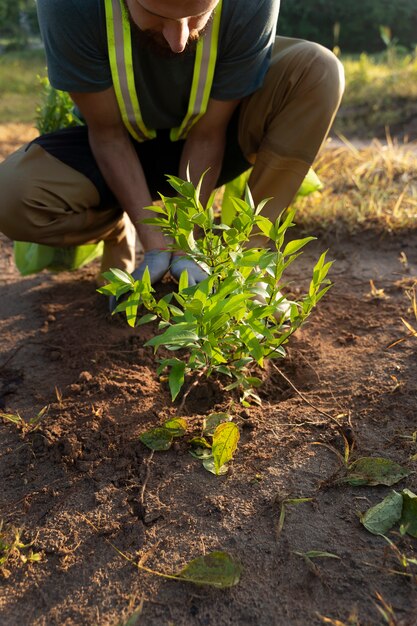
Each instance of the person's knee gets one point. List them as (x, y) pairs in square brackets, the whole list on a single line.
[(24, 214), (309, 71), (324, 72)]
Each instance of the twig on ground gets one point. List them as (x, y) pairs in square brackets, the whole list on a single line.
[(145, 482), (302, 396), (190, 388)]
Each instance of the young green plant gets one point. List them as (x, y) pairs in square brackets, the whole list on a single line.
[(214, 454), (237, 317), (13, 549)]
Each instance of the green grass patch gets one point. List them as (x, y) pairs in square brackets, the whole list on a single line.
[(20, 88), (381, 92)]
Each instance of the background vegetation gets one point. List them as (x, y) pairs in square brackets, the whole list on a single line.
[(18, 23), (381, 91), (20, 88), (381, 86), (353, 26)]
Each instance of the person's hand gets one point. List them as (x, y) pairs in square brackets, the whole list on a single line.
[(157, 262), (283, 306), (195, 273)]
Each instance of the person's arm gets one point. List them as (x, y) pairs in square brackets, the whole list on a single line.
[(118, 161), (205, 143)]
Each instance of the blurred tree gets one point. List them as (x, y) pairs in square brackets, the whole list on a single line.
[(360, 22), (18, 21)]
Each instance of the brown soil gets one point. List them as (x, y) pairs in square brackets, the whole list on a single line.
[(85, 462)]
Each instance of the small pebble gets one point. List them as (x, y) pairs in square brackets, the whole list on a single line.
[(85, 377)]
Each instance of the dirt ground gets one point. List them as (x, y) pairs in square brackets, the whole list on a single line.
[(85, 465)]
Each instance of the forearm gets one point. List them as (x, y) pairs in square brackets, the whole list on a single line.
[(122, 170), (203, 153)]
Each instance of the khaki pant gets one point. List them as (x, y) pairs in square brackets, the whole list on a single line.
[(281, 128)]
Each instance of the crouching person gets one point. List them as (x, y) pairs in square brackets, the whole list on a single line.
[(161, 84)]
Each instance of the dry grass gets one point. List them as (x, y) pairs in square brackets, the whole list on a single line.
[(13, 135), (369, 187)]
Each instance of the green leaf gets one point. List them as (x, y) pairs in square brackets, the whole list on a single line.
[(177, 426), (293, 246), (176, 378), (132, 305), (195, 306), (213, 420), (373, 471), (183, 282), (409, 513), (108, 290), (225, 440), (217, 569), (386, 35), (253, 381), (310, 184), (145, 319), (208, 464), (181, 334), (265, 225), (157, 439), (200, 442), (183, 187), (380, 518), (10, 417), (203, 454), (124, 277)]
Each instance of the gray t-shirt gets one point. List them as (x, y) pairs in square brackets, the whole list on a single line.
[(75, 40)]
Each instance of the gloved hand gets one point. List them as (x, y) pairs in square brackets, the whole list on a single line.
[(195, 273), (282, 308), (157, 261)]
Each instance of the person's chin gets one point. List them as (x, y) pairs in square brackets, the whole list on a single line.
[(161, 48)]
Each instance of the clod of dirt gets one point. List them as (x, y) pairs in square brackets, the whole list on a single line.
[(85, 377)]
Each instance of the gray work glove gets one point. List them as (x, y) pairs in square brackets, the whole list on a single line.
[(157, 262), (194, 271)]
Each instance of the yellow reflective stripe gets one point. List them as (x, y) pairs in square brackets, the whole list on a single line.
[(120, 56), (128, 68), (181, 131), (213, 57), (112, 48), (121, 64), (204, 66), (111, 44)]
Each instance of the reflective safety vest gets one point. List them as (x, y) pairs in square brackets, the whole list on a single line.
[(121, 62)]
